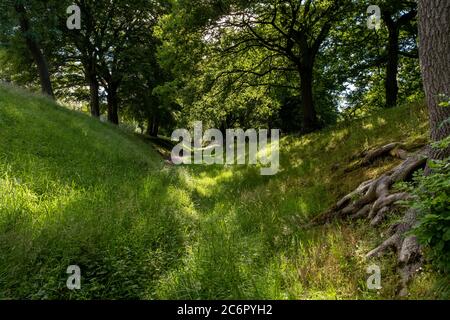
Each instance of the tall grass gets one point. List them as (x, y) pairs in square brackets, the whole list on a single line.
[(77, 191)]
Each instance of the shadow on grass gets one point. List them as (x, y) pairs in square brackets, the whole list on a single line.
[(77, 191)]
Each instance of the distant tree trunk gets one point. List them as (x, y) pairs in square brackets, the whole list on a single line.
[(309, 123), (113, 107), (434, 50), (391, 85), (92, 80), (393, 49), (223, 127), (94, 100), (35, 50), (153, 126)]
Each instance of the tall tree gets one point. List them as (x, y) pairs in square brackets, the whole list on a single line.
[(434, 49), (121, 36), (296, 31), (87, 41), (284, 37), (88, 44), (34, 48), (138, 84), (396, 15)]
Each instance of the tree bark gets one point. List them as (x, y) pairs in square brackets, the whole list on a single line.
[(434, 51), (35, 50), (310, 122)]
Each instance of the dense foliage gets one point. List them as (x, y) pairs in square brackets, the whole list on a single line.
[(295, 65), (432, 199)]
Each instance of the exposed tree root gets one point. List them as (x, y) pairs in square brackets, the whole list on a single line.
[(407, 248), (370, 156), (394, 149), (373, 201)]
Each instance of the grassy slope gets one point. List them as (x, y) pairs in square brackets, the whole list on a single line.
[(76, 191)]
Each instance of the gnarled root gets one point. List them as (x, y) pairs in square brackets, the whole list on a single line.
[(373, 200), (394, 149), (407, 248), (372, 197)]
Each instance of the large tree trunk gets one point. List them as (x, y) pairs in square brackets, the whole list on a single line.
[(434, 50), (391, 84), (35, 50), (310, 122), (113, 110)]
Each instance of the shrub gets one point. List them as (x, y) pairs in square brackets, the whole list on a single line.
[(431, 196)]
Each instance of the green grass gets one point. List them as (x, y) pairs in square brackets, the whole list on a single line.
[(77, 191)]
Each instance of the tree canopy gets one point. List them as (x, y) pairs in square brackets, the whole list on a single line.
[(295, 65)]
